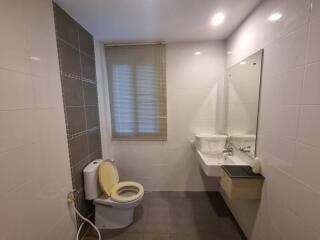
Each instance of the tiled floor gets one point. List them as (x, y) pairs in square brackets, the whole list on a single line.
[(178, 216)]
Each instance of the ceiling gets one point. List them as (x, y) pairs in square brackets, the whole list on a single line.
[(157, 20)]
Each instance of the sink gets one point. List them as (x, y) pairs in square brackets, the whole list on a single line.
[(211, 162)]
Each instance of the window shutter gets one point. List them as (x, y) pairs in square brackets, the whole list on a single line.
[(137, 91)]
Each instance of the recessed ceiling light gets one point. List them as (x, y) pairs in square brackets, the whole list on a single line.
[(229, 53), (243, 62), (35, 58), (275, 17), (217, 19), (197, 53)]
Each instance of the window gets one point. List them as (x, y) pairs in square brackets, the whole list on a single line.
[(137, 90)]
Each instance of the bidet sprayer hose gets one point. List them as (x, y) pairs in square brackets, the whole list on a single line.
[(71, 199)]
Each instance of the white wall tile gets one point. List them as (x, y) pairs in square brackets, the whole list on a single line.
[(314, 38), (16, 90), (315, 8), (309, 131), (43, 94), (296, 229), (288, 130), (17, 128), (306, 165), (303, 201), (39, 24), (296, 13), (311, 85), (13, 44), (17, 167), (293, 48), (286, 88), (34, 162), (281, 153)]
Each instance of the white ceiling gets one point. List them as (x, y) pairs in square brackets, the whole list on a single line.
[(157, 20)]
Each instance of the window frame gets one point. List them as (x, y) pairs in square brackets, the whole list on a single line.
[(162, 105)]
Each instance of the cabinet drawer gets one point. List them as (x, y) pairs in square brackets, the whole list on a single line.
[(241, 187)]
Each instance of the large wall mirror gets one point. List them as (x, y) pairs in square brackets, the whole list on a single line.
[(243, 85)]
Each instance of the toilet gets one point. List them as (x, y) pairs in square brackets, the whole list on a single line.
[(114, 201)]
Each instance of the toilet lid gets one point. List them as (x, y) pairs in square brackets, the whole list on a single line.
[(108, 177)]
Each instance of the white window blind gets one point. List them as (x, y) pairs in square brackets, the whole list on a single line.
[(137, 90)]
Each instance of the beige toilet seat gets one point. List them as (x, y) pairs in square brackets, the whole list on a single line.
[(117, 191), (126, 191)]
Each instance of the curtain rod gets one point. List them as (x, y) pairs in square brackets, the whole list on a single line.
[(131, 44)]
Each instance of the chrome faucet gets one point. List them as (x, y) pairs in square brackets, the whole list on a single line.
[(228, 150), (245, 149), (227, 147)]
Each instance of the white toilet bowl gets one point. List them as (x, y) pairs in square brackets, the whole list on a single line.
[(114, 201)]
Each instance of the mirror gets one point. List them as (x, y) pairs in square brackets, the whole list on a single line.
[(243, 91)]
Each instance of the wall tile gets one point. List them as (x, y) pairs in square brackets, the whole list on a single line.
[(77, 65), (41, 61), (282, 121), (88, 68), (77, 174), (306, 165), (66, 27), (13, 45), (297, 13), (281, 153), (78, 149), (94, 140), (301, 196), (76, 121), (94, 156), (86, 42), (62, 227), (86, 207), (288, 135), (293, 48), (315, 8), (90, 93), (294, 228), (282, 92), (308, 131), (314, 38), (17, 128), (33, 141), (92, 116), (15, 172), (69, 59), (72, 91), (16, 90), (43, 87), (311, 85)]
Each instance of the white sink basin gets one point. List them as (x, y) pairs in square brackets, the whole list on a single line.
[(211, 163)]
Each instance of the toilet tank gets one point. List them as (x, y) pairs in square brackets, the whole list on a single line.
[(91, 183), (210, 143)]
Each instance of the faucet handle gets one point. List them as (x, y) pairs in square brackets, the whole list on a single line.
[(245, 148), (228, 150)]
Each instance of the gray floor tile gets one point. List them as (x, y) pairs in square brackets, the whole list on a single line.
[(179, 216), (196, 236), (164, 226), (156, 236), (139, 220)]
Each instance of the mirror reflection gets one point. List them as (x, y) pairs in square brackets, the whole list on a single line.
[(243, 85)]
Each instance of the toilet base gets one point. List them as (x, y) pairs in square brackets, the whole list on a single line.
[(108, 217)]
